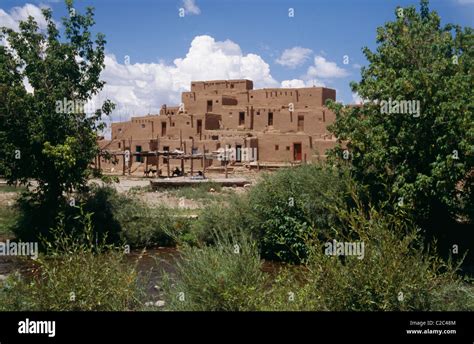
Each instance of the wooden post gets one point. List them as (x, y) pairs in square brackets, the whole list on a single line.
[(146, 162), (182, 164), (168, 163), (157, 155), (192, 156), (226, 161), (130, 162), (203, 160), (123, 162), (183, 157)]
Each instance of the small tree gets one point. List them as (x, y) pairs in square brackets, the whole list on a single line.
[(420, 159), (42, 137)]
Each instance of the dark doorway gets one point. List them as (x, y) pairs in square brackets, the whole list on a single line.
[(297, 151), (270, 118), (163, 128), (209, 106), (138, 149), (199, 126), (241, 118)]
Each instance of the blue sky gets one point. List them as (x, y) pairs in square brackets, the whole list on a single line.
[(240, 38)]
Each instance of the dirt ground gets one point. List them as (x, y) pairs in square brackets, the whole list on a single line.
[(139, 185), (7, 199)]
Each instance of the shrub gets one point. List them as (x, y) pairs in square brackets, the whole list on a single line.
[(290, 203), (36, 217), (394, 274), (224, 277), (231, 217), (115, 217), (77, 274)]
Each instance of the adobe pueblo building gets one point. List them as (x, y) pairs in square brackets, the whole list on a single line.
[(225, 122)]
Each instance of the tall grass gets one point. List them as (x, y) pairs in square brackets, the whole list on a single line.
[(395, 272), (224, 277), (77, 273)]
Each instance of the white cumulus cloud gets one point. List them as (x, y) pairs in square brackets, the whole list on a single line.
[(294, 57), (298, 83), (323, 68), (142, 88), (190, 7), (12, 18)]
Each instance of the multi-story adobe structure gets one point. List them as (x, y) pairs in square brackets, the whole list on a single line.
[(279, 124)]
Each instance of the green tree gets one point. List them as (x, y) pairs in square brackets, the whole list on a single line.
[(420, 161), (39, 139)]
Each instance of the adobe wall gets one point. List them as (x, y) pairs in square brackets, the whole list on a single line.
[(230, 112), (280, 147)]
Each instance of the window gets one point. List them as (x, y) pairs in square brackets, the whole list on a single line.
[(215, 137), (300, 123), (241, 118), (287, 148), (277, 147), (258, 113), (143, 126), (270, 118), (120, 130), (163, 128), (231, 85), (209, 106), (119, 145)]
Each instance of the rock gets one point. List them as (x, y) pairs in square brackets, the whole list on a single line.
[(159, 303), (212, 190)]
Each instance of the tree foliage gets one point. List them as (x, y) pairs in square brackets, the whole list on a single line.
[(37, 141), (422, 162)]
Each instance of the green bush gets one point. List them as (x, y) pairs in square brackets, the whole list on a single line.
[(231, 217), (115, 217), (224, 277), (394, 274), (76, 274), (36, 216), (291, 203)]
